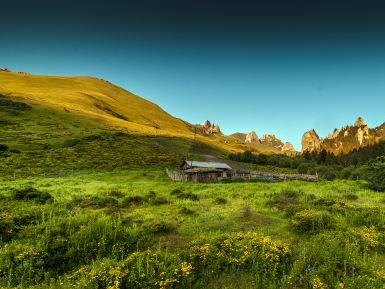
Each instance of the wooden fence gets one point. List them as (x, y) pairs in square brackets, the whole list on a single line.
[(176, 176), (179, 176)]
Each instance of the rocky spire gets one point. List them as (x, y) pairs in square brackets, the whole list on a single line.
[(288, 148), (310, 141), (251, 137), (360, 122), (206, 124)]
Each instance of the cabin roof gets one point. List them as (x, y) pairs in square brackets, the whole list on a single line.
[(211, 165), (201, 170)]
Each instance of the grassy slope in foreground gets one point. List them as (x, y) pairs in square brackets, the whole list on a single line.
[(99, 223)]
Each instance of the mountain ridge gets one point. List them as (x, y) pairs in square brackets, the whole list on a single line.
[(345, 139)]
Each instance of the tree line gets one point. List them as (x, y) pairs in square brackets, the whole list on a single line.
[(367, 163)]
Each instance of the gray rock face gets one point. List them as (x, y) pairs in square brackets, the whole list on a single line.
[(251, 137), (310, 141)]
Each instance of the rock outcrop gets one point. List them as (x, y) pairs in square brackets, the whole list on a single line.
[(288, 148), (360, 122), (344, 140), (271, 140), (208, 128), (310, 141), (334, 134), (251, 137)]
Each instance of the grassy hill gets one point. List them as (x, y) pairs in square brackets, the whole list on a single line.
[(93, 99), (53, 125)]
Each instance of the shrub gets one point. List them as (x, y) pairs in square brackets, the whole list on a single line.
[(33, 194), (377, 174), (3, 147), (312, 222), (154, 200), (367, 216), (220, 201), (184, 196), (331, 203), (285, 199), (330, 260), (176, 192), (246, 212), (14, 151), (351, 196), (186, 211), (116, 194), (161, 228), (267, 259), (148, 269), (306, 168), (157, 201), (132, 200), (70, 143), (95, 202)]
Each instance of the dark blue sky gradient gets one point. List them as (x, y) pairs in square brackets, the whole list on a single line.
[(281, 67)]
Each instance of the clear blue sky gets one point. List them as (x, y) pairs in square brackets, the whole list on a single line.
[(268, 68)]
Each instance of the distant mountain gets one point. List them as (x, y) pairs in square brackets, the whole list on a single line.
[(345, 139), (267, 140)]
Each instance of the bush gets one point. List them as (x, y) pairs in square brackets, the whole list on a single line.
[(132, 200), (186, 211), (184, 196), (33, 194), (312, 222), (161, 228), (331, 260), (95, 202), (70, 143), (3, 147), (306, 168), (376, 170), (148, 269), (267, 259), (115, 194), (220, 201)]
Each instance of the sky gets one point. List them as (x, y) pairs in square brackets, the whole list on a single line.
[(276, 66)]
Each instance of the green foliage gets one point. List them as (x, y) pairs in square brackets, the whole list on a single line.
[(88, 237), (95, 202), (332, 260), (312, 222), (32, 194), (3, 147), (376, 170), (184, 195)]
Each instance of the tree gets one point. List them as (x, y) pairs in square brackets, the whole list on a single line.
[(377, 174)]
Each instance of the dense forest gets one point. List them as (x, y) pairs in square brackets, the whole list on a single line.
[(367, 163)]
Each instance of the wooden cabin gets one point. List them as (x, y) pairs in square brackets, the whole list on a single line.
[(203, 172)]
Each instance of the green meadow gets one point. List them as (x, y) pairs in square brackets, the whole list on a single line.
[(137, 229)]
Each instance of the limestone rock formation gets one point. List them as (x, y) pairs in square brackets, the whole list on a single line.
[(288, 148), (360, 122), (344, 140), (362, 134), (251, 137), (209, 128), (334, 134), (271, 140), (311, 141)]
